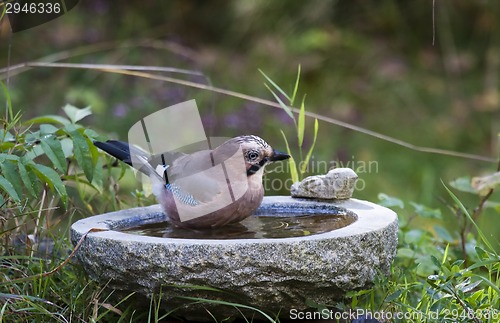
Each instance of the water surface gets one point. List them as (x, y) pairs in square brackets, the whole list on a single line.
[(255, 227)]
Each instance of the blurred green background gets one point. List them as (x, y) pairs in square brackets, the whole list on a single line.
[(368, 63)]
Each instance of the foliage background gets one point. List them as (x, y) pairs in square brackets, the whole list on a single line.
[(372, 64), (400, 68)]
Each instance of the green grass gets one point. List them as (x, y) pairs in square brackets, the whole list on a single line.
[(438, 275), (429, 281), (365, 66)]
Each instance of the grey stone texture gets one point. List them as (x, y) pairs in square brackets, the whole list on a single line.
[(273, 275), (338, 183)]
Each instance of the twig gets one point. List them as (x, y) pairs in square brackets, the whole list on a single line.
[(38, 217), (247, 97), (62, 264)]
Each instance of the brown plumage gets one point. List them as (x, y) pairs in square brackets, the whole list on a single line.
[(208, 188)]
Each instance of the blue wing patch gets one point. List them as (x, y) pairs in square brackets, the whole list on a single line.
[(182, 196)]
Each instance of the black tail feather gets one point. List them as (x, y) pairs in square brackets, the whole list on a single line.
[(117, 149), (122, 151)]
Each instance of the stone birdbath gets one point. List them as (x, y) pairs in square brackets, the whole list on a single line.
[(338, 245)]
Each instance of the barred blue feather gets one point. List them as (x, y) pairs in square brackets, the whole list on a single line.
[(182, 196)]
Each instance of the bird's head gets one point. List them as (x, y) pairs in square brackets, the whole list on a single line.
[(257, 153)]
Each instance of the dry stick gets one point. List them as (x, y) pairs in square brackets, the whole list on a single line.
[(268, 103), (309, 114), (38, 217), (62, 264)]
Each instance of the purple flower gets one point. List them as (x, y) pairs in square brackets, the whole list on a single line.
[(120, 110)]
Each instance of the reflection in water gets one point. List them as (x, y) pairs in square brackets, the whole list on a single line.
[(255, 227)]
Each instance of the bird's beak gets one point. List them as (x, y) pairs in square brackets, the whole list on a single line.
[(278, 155)]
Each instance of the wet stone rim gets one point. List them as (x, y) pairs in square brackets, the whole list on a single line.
[(272, 274), (271, 205)]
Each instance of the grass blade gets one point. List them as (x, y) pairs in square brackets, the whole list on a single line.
[(218, 302), (293, 167), (301, 122), (311, 149), (7, 95), (469, 217), (281, 103), (296, 87), (275, 85)]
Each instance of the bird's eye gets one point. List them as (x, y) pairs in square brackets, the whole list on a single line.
[(252, 156)]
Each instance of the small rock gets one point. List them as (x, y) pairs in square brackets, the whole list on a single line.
[(337, 184)]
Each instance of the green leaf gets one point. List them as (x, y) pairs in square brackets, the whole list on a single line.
[(75, 114), (296, 87), (309, 153), (489, 283), (94, 152), (390, 201), (9, 171), (81, 150), (6, 136), (91, 134), (4, 157), (293, 167), (9, 189), (67, 147), (29, 179), (463, 184), (467, 287), (436, 261), (426, 212), (443, 233), (275, 86), (53, 149), (481, 253), (282, 104), (50, 176), (78, 180), (34, 152), (406, 253), (47, 129), (393, 296), (55, 119), (301, 122)]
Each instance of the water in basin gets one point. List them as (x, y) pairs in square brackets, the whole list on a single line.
[(283, 225)]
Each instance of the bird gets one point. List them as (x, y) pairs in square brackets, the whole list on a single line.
[(206, 189)]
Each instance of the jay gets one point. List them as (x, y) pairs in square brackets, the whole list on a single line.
[(207, 188)]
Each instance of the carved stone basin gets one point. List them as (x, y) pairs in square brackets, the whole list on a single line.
[(272, 274)]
